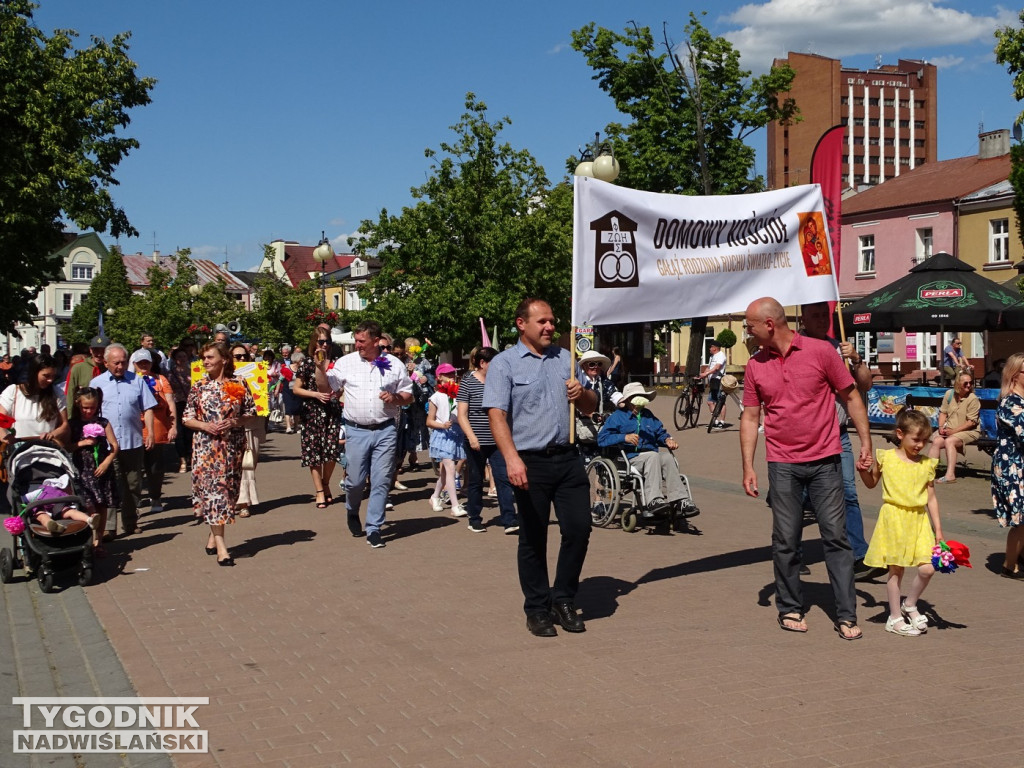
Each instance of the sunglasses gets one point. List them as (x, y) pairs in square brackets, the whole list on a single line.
[(239, 357), (385, 346), (323, 342), (592, 365)]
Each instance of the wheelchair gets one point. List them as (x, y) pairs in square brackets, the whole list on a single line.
[(615, 484)]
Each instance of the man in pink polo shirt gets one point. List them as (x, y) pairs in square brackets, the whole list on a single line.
[(796, 380)]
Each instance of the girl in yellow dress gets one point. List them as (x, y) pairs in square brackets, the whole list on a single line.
[(904, 534)]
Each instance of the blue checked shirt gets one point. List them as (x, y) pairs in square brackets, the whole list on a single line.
[(124, 400), (530, 389)]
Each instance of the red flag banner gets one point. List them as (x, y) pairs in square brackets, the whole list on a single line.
[(827, 172)]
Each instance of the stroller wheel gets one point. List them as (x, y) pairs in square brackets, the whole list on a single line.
[(6, 565), (85, 576), (46, 580)]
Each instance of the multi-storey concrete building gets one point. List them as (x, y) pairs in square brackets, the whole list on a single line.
[(889, 113)]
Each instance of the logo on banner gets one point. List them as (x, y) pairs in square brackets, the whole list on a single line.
[(615, 260), (863, 317), (814, 245), (941, 293)]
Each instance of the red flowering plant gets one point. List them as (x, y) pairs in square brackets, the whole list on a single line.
[(195, 329), (318, 316)]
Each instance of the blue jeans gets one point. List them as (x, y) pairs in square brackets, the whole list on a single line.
[(822, 481), (475, 463), (854, 519), (371, 455)]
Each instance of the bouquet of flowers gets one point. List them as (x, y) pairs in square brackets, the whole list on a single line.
[(947, 556), (381, 363), (14, 525), (234, 391), (92, 429)]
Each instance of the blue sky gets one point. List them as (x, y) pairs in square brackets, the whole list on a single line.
[(279, 120)]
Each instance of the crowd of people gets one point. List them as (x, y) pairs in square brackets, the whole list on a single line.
[(367, 416)]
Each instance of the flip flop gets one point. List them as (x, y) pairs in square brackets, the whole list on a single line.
[(945, 480), (847, 625), (797, 617), (244, 513)]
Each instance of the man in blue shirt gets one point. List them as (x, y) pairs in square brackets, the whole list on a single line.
[(127, 401), (527, 396)]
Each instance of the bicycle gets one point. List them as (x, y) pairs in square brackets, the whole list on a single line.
[(686, 412)]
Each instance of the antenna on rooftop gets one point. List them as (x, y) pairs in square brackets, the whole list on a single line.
[(878, 60)]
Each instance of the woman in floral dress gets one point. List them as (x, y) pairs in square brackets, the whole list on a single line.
[(1008, 464), (219, 409), (321, 420)]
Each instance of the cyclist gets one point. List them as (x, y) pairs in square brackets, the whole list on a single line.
[(714, 373)]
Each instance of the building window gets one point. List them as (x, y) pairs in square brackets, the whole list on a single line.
[(873, 141), (858, 101), (873, 122), (999, 241), (918, 104), (844, 100), (337, 301), (81, 272), (866, 254), (890, 123), (873, 101), (890, 102), (923, 245), (904, 103), (858, 141), (904, 123), (858, 121), (68, 298), (919, 124)]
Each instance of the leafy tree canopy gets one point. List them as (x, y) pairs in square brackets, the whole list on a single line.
[(1010, 51), (691, 108), (280, 311), (61, 113), (486, 232)]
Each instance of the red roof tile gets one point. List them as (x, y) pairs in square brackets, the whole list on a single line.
[(939, 182), (299, 263), (138, 264)]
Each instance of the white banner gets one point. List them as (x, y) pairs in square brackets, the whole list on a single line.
[(649, 257)]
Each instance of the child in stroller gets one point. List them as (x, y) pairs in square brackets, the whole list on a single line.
[(50, 532)]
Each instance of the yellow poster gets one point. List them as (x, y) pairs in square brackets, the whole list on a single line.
[(255, 375)]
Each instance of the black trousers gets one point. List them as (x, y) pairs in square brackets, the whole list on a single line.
[(561, 481)]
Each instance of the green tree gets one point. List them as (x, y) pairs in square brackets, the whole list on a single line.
[(692, 107), (486, 231), (280, 311), (1010, 52), (61, 114)]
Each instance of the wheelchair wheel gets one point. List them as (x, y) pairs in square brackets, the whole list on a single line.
[(629, 519), (604, 490), (681, 412)]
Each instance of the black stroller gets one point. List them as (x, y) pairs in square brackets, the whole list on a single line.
[(41, 553)]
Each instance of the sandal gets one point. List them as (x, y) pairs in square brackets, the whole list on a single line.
[(244, 513), (945, 480), (328, 498), (900, 626), (793, 617), (1006, 573), (320, 504), (919, 622), (846, 627)]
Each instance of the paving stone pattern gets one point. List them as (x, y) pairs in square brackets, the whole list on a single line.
[(318, 650)]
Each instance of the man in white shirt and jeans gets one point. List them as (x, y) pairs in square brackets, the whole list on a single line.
[(714, 374), (375, 387)]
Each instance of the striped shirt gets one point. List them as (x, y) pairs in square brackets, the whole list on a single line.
[(471, 392), (530, 389)]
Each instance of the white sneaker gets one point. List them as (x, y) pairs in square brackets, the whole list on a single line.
[(157, 507), (458, 511), (436, 504), (400, 487), (388, 506)]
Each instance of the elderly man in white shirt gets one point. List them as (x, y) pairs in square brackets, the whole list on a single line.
[(375, 386)]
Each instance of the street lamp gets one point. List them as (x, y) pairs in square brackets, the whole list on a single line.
[(111, 311), (323, 253), (598, 161), (194, 290)]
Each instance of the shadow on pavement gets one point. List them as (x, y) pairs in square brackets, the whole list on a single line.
[(708, 564), (399, 529), (598, 596), (251, 547)]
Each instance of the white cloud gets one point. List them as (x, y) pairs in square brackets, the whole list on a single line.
[(558, 49), (946, 62), (844, 28), (340, 242)]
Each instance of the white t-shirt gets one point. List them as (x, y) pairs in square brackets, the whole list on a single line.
[(443, 405), (26, 413), (719, 359)]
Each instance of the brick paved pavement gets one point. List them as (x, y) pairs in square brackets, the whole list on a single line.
[(317, 650)]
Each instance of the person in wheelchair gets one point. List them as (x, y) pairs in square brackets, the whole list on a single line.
[(640, 434), (592, 375)]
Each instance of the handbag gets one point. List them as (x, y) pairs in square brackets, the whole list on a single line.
[(249, 457)]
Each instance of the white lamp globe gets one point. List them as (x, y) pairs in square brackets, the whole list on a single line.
[(606, 168)]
